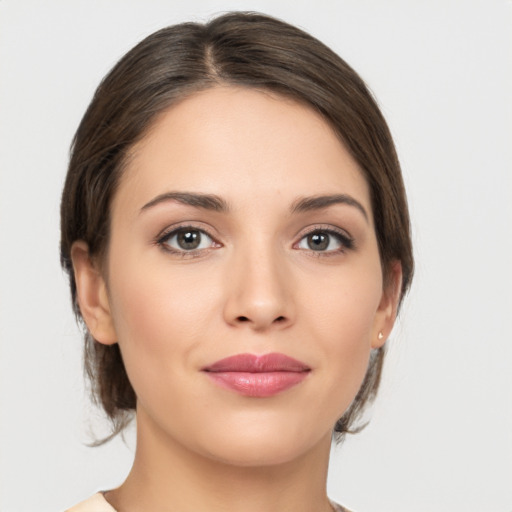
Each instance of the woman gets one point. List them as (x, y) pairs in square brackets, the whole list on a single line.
[(236, 233)]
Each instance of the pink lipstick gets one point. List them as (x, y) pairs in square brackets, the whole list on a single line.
[(258, 376)]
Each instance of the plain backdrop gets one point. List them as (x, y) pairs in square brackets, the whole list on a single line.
[(441, 433)]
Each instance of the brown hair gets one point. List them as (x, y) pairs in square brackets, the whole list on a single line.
[(242, 49)]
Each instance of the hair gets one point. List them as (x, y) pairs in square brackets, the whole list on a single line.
[(239, 49)]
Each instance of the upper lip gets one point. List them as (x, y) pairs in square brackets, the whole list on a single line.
[(251, 363)]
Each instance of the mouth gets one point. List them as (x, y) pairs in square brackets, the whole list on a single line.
[(257, 376)]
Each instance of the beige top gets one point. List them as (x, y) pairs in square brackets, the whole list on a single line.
[(98, 503)]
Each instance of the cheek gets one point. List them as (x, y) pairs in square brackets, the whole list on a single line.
[(344, 307), (341, 319), (154, 305), (161, 317)]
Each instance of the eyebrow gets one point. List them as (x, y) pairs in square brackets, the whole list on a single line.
[(204, 201), (307, 204), (215, 203)]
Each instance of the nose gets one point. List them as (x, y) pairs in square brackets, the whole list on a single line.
[(260, 294)]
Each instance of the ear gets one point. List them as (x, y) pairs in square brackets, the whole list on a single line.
[(388, 307), (92, 295)]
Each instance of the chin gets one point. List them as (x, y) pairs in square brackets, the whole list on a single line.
[(264, 446), (255, 455)]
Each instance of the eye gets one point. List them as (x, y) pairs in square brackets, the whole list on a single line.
[(324, 240), (187, 239)]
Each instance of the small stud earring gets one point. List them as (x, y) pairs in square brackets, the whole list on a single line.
[(380, 336)]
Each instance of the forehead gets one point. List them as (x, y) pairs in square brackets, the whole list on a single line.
[(242, 144)]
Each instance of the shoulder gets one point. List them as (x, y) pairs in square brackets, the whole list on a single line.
[(96, 503)]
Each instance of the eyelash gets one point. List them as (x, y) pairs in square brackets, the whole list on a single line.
[(344, 239), (163, 239), (346, 242)]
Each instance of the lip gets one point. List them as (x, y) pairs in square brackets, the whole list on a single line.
[(257, 376)]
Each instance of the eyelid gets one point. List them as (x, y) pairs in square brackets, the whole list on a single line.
[(172, 230), (346, 239)]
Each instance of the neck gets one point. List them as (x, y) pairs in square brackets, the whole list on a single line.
[(169, 477)]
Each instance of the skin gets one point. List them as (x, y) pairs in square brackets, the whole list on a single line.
[(254, 286)]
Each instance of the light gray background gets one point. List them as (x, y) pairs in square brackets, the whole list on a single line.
[(441, 434)]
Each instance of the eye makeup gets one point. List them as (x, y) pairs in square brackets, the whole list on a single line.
[(325, 241), (186, 240)]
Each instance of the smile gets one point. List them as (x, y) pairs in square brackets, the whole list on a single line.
[(257, 376)]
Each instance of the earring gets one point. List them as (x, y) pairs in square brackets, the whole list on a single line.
[(380, 336)]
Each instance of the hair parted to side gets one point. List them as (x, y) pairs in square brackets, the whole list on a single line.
[(241, 49)]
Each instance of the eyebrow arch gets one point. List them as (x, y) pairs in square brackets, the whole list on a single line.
[(307, 204), (205, 201)]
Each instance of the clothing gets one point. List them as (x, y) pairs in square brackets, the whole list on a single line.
[(98, 503)]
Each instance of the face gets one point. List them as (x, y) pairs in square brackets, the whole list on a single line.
[(243, 281)]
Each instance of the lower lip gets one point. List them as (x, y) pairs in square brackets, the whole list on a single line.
[(259, 385)]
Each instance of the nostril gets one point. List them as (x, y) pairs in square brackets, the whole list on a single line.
[(244, 319)]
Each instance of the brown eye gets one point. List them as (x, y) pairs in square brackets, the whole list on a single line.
[(318, 241), (187, 239), (329, 241)]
